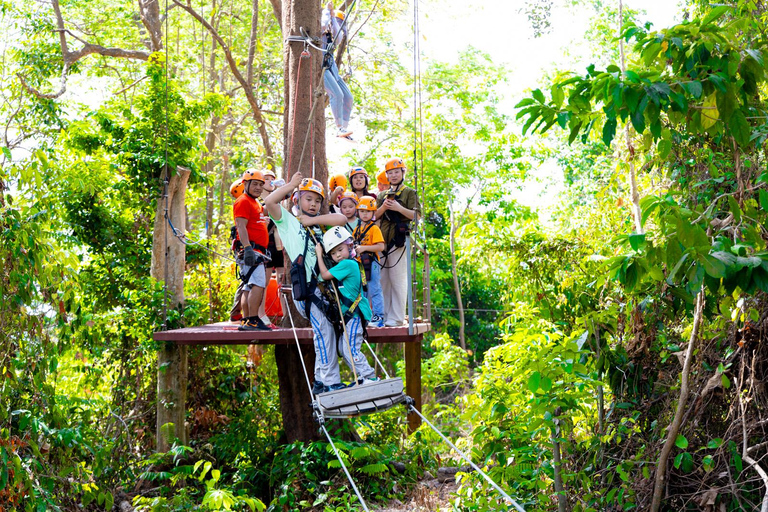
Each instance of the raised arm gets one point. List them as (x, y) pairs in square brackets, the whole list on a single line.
[(272, 201), (329, 219), (321, 264)]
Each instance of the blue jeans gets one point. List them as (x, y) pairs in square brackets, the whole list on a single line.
[(339, 95), (374, 291)]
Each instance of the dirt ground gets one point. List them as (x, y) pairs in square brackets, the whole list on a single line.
[(429, 496)]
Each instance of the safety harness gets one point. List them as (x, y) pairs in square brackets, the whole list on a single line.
[(366, 258)]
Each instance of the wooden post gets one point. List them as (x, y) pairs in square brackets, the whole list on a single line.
[(295, 402), (413, 379), (172, 368)]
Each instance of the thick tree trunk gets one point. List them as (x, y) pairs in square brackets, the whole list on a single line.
[(307, 135), (168, 263)]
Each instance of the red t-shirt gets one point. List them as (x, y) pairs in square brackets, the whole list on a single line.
[(246, 207)]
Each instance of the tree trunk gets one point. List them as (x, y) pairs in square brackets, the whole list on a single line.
[(456, 285), (306, 134), (168, 262), (303, 134), (636, 211)]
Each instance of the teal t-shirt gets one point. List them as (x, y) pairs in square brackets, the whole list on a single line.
[(347, 273), (351, 225), (294, 235)]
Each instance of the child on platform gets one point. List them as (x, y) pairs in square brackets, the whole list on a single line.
[(369, 243), (354, 308), (347, 206)]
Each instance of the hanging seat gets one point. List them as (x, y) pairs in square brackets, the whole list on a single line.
[(359, 400)]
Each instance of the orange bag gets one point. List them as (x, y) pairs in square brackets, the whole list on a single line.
[(273, 307)]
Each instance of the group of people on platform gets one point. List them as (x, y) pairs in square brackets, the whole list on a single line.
[(348, 267)]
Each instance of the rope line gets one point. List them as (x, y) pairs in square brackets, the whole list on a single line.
[(488, 479), (344, 467), (166, 178)]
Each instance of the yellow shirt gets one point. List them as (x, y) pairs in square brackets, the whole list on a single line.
[(372, 236)]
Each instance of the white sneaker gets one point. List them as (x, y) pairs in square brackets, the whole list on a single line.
[(344, 133), (392, 323), (377, 321)]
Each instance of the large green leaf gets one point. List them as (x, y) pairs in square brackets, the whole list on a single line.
[(740, 128), (709, 112), (712, 265)]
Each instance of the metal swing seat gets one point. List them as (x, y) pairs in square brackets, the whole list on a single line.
[(361, 400)]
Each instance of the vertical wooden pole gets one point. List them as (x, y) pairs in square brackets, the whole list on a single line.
[(413, 379), (172, 368), (295, 402)]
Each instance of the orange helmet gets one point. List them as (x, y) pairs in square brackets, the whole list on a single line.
[(394, 163), (347, 195), (340, 14), (367, 203), (312, 185), (237, 188), (382, 178), (252, 174), (358, 170), (338, 180)]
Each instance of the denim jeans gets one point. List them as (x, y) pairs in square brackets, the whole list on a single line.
[(374, 291), (339, 95)]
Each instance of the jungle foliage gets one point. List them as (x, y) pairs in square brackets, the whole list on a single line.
[(598, 358)]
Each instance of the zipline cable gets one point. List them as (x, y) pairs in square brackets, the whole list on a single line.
[(488, 479), (166, 178), (320, 418)]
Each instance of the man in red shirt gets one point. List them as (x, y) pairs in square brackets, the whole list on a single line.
[(253, 237)]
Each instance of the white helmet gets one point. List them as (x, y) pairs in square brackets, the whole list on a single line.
[(334, 237)]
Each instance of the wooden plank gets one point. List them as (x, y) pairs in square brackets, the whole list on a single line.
[(413, 380), (361, 394), (226, 333)]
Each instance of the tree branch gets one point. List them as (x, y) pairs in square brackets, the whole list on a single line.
[(70, 58), (252, 101), (277, 8), (252, 42), (674, 427), (150, 17)]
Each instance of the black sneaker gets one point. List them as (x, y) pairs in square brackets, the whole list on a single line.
[(337, 386), (318, 388), (254, 324)]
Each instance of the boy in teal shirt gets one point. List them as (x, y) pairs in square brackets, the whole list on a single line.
[(354, 306)]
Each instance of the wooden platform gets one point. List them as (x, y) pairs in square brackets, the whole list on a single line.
[(226, 333), (295, 403)]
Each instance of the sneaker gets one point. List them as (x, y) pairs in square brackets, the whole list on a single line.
[(236, 317), (337, 386), (367, 380), (319, 388), (377, 321), (392, 323), (344, 133), (253, 324)]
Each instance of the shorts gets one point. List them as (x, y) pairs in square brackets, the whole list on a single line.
[(258, 276), (278, 261)]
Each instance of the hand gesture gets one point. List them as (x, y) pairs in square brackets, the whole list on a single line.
[(319, 250), (296, 179)]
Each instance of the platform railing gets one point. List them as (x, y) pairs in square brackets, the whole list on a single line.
[(419, 304)]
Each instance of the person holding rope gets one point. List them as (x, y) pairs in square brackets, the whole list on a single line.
[(397, 207), (300, 235), (355, 310), (334, 30), (251, 244)]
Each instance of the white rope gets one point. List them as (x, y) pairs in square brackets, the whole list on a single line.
[(515, 504), (376, 358), (298, 346), (344, 467)]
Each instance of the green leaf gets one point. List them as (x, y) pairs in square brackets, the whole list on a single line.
[(740, 128), (7, 153), (546, 383), (664, 148), (533, 381), (708, 462), (709, 112), (712, 265), (715, 443), (538, 96), (715, 14), (694, 88), (609, 130), (681, 442), (735, 209), (637, 241), (678, 460), (725, 381)]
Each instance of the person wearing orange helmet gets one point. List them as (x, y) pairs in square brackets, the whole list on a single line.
[(359, 181), (397, 207), (300, 234), (347, 206), (252, 240), (235, 313), (369, 243)]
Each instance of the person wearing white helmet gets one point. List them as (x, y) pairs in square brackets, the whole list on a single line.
[(299, 234), (355, 310)]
